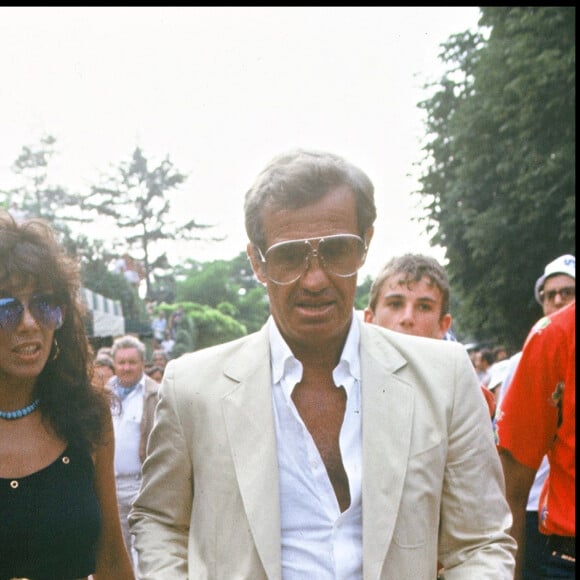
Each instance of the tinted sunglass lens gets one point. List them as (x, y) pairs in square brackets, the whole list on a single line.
[(10, 312), (287, 261), (342, 255), (43, 308), (46, 311), (568, 293)]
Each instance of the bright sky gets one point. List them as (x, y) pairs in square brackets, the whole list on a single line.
[(221, 91)]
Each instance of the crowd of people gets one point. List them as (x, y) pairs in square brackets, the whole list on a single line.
[(325, 445)]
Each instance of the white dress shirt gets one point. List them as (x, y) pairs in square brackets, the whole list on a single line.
[(127, 427), (318, 541)]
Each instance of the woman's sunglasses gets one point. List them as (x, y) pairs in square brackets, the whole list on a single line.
[(44, 308)]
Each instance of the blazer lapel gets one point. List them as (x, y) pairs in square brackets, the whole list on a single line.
[(249, 422), (388, 405)]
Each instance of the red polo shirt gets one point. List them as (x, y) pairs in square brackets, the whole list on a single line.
[(538, 416)]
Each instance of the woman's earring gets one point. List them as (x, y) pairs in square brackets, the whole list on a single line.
[(55, 350)]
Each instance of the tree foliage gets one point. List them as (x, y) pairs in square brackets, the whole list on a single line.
[(363, 289), (498, 176), (137, 200), (226, 282), (213, 326), (37, 197), (204, 326), (97, 277)]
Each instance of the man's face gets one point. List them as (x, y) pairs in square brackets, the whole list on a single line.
[(480, 363), (556, 293), (129, 366), (314, 312), (159, 360), (410, 307)]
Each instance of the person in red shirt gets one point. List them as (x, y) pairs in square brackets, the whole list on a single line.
[(538, 417)]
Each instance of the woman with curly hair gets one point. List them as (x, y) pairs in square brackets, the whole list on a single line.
[(58, 509)]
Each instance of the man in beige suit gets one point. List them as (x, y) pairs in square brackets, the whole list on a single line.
[(320, 447)]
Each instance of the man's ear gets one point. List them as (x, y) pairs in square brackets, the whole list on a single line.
[(257, 264), (368, 315), (444, 324)]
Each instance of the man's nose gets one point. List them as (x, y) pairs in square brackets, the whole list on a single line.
[(408, 317), (315, 276)]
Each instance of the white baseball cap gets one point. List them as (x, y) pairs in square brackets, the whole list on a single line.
[(565, 264), (497, 373)]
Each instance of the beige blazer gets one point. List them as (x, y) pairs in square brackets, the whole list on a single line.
[(150, 398), (432, 482)]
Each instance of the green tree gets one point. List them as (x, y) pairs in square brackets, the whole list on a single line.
[(498, 176), (37, 196), (136, 198), (163, 287), (213, 326), (97, 277), (226, 281), (208, 283), (184, 339), (204, 326), (361, 299), (253, 308)]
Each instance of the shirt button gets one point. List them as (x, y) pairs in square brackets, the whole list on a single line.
[(14, 484)]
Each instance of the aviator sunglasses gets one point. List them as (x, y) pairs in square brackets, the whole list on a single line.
[(44, 308), (339, 254), (567, 294)]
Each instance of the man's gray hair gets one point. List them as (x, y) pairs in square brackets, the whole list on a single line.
[(301, 177), (128, 341)]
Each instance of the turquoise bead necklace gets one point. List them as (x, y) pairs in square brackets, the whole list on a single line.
[(10, 415)]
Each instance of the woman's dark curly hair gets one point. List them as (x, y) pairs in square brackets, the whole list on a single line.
[(73, 404)]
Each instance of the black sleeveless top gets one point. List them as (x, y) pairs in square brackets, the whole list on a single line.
[(50, 521)]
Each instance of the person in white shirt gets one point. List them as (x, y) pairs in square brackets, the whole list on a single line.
[(168, 343), (159, 326), (132, 421)]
